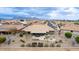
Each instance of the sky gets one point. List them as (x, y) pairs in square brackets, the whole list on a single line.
[(63, 13)]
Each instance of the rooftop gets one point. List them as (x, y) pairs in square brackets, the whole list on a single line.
[(10, 27), (70, 26), (38, 28)]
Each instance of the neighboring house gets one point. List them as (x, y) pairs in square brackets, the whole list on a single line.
[(71, 28), (10, 28)]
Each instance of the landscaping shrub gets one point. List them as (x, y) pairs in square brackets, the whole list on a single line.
[(68, 34), (77, 23), (2, 39), (77, 39)]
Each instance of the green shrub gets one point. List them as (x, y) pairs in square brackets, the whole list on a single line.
[(68, 34), (77, 39), (2, 39), (77, 23)]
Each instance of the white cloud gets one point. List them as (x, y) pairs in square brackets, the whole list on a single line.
[(72, 10), (6, 10), (59, 13), (21, 13), (53, 14), (72, 13)]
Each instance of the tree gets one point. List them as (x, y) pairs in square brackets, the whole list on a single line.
[(2, 39), (68, 34), (77, 23), (77, 39)]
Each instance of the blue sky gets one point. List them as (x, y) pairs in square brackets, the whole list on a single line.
[(69, 13)]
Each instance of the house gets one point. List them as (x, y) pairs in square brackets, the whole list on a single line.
[(10, 28), (38, 28), (35, 32), (71, 27)]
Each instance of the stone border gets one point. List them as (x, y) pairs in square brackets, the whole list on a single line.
[(39, 49)]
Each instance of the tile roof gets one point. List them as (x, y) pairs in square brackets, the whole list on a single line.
[(38, 28), (70, 26), (10, 27)]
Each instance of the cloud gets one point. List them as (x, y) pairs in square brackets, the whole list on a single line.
[(70, 13), (65, 13)]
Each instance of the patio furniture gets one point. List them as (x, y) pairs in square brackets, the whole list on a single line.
[(40, 44), (34, 44)]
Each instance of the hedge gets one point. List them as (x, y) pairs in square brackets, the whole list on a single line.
[(2, 39), (68, 34), (77, 39)]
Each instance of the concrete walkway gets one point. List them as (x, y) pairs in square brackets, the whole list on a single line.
[(39, 49)]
